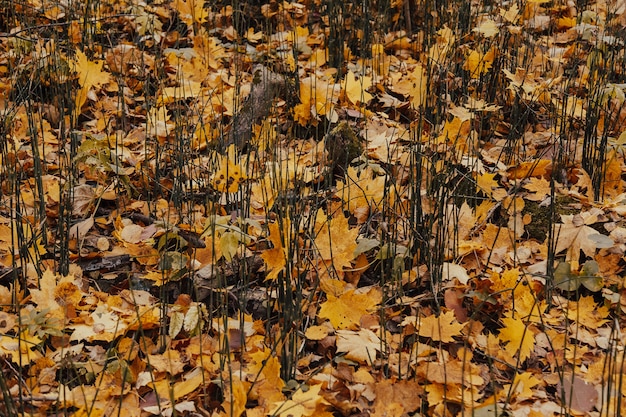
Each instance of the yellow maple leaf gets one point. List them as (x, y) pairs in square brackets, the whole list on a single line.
[(363, 191), (302, 113), (507, 281), (301, 403), (55, 296), (586, 312), (612, 183), (229, 176), (191, 11), (519, 338), (345, 311), (522, 386), (335, 240), (317, 332), (235, 404), (275, 259), (478, 63), (317, 98), (439, 51), (455, 131), (441, 328), (486, 183), (44, 296), (265, 365), (539, 188), (414, 84), (90, 74)]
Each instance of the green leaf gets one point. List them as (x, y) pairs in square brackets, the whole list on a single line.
[(589, 276), (564, 279), (365, 245), (174, 261)]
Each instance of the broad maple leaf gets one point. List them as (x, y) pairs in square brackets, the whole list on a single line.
[(229, 176), (519, 338), (586, 312), (523, 384), (539, 187), (575, 234), (90, 74), (235, 404), (478, 63), (275, 259), (441, 328), (362, 191), (265, 365), (301, 403), (360, 346), (317, 97), (439, 51), (345, 311), (335, 240), (191, 11)]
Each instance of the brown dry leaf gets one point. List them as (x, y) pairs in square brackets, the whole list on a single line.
[(575, 235), (169, 362), (396, 398), (451, 371), (577, 394), (454, 302)]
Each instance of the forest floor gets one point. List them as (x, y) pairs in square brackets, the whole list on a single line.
[(312, 209)]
